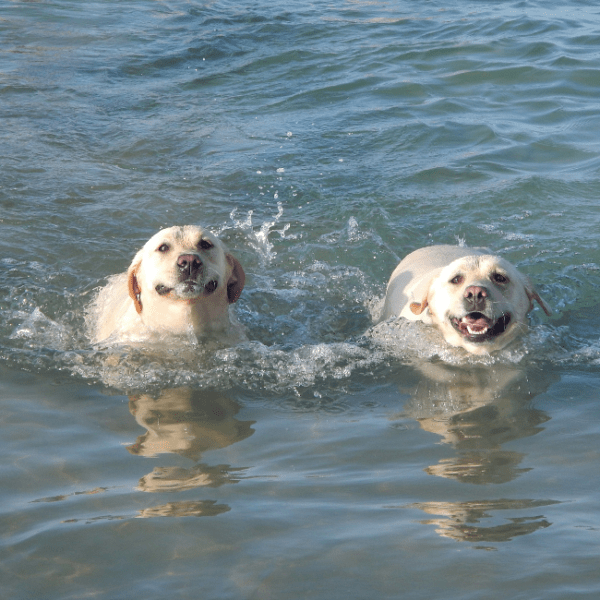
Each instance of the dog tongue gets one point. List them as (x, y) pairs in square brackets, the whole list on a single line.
[(475, 323)]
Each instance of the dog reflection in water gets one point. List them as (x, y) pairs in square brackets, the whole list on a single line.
[(477, 409), (186, 422), (460, 521), (202, 508)]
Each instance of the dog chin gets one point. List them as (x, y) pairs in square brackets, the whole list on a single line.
[(480, 348)]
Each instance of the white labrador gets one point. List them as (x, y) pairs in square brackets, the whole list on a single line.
[(479, 301), (183, 280)]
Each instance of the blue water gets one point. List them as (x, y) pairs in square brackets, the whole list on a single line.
[(326, 457)]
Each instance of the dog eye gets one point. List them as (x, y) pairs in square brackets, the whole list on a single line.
[(498, 278), (457, 280), (205, 244), (163, 248)]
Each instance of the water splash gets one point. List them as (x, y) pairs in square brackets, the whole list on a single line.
[(409, 340), (258, 236), (308, 319)]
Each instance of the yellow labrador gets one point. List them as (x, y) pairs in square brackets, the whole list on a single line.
[(478, 301), (182, 281)]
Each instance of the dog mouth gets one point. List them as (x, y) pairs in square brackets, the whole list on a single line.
[(476, 327), (188, 289)]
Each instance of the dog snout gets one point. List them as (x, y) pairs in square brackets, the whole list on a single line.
[(475, 297), (189, 265)]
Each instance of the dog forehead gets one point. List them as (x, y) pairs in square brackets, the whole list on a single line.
[(477, 265), (463, 265), (190, 235), (492, 263), (187, 236)]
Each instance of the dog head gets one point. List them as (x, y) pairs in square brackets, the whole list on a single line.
[(479, 302), (184, 265)]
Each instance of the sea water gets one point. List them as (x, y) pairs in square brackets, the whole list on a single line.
[(328, 456)]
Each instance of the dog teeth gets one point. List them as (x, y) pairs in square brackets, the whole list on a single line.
[(478, 332)]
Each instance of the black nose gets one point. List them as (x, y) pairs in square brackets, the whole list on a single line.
[(475, 296), (189, 264)]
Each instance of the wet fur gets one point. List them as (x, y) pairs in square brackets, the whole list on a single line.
[(156, 297), (423, 288)]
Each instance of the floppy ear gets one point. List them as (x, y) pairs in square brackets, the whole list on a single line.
[(134, 288), (422, 289), (235, 283), (416, 308), (533, 295)]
